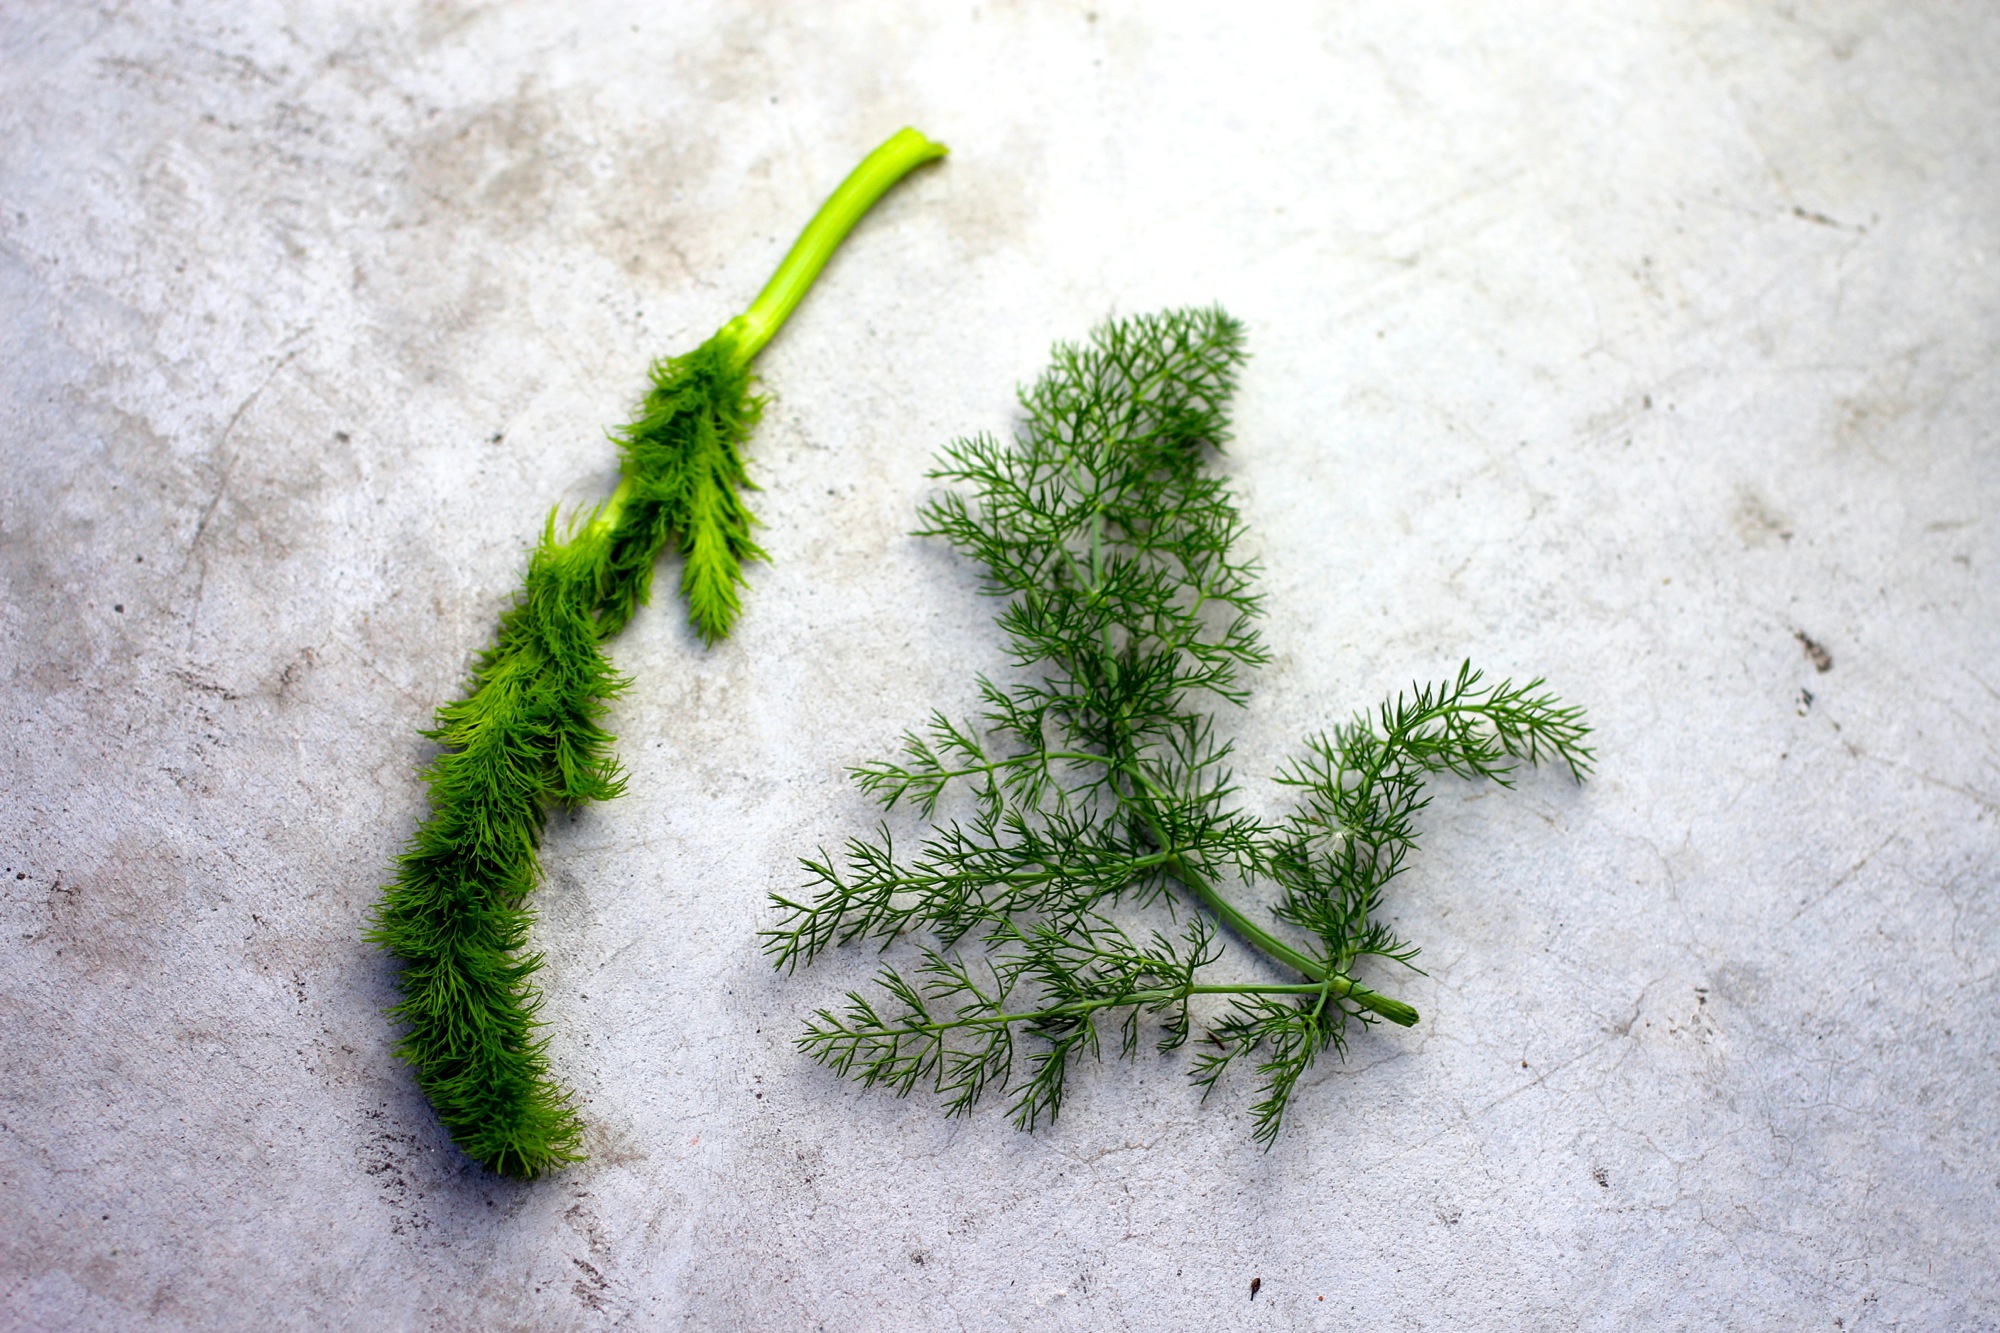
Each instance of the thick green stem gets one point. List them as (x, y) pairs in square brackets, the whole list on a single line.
[(1339, 983), (1227, 912), (903, 152)]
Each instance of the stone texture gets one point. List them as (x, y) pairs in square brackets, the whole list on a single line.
[(1632, 345)]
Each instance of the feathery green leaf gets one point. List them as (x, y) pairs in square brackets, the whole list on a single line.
[(1095, 785), (529, 734)]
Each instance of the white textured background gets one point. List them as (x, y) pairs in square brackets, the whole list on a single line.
[(1618, 343)]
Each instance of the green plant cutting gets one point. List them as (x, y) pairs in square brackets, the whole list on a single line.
[(1093, 793), (529, 733)]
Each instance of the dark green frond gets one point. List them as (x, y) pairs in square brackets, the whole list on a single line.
[(1096, 784)]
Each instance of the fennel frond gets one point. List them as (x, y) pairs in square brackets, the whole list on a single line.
[(1097, 782), (529, 733)]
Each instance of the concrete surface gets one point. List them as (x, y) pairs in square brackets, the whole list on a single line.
[(1624, 344)]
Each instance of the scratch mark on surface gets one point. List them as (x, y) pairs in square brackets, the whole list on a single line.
[(1846, 875), (1969, 793), (1809, 215), (229, 457), (1504, 1097)]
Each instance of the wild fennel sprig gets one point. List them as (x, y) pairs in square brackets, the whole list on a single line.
[(528, 735), (1095, 784)]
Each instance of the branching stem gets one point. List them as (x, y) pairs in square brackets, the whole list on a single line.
[(1231, 916), (1076, 1008), (901, 883)]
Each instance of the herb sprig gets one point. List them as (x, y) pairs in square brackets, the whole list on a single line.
[(1095, 784), (529, 733)]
